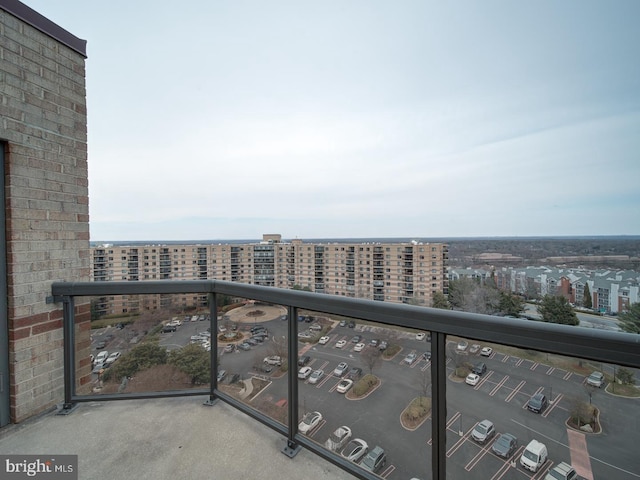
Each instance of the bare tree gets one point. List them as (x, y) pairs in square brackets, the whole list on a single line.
[(371, 358)]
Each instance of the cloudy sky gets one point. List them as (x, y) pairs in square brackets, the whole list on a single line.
[(338, 119)]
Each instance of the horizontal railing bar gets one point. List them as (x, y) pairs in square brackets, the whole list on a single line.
[(138, 396), (602, 346), (253, 413)]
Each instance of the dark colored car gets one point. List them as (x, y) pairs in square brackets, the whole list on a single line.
[(356, 339), (479, 368), (537, 403), (505, 445), (375, 460), (251, 341), (303, 360), (355, 373), (244, 346), (101, 345), (352, 324), (168, 328)]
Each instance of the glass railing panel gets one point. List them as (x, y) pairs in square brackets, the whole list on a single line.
[(147, 343), (374, 390), (516, 414), (253, 353)]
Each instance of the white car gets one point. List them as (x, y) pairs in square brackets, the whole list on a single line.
[(420, 336), (472, 379), (323, 340), (304, 373), (341, 343), (486, 351), (273, 360), (344, 385), (112, 358), (462, 346), (341, 369), (316, 376), (309, 422), (359, 347), (102, 356), (409, 359)]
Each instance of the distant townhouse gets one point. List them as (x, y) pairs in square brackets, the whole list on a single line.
[(611, 292), (402, 272)]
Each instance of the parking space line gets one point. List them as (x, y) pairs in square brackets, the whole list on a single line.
[(515, 391), (534, 365), (484, 379), (519, 362), (504, 360), (426, 365), (567, 376), (474, 461), (542, 471), (454, 448), (550, 371), (388, 471), (553, 404), (449, 423), (317, 429), (498, 386), (507, 463)]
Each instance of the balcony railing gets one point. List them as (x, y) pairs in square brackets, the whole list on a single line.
[(610, 348)]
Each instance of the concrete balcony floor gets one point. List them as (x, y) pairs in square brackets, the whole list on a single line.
[(164, 439)]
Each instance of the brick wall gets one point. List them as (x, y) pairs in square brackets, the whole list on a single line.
[(44, 124)]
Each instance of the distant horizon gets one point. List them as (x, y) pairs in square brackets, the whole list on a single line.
[(368, 239)]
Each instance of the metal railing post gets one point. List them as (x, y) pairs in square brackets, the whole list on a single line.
[(439, 406), (68, 330), (213, 342), (291, 449)]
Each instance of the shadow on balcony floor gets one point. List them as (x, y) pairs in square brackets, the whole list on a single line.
[(164, 439)]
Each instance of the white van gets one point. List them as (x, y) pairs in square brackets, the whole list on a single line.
[(534, 456)]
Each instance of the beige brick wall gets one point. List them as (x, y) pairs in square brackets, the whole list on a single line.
[(44, 124)]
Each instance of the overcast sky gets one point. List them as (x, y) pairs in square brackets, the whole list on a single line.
[(337, 119)]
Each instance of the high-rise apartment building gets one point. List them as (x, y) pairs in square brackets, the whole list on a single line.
[(400, 272)]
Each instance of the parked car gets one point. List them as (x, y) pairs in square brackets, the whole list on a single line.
[(315, 376), (355, 373), (383, 345), (263, 368), (112, 358), (304, 373), (344, 385), (537, 403), (309, 421), (462, 346), (323, 340), (356, 339), (341, 369), (596, 379), (100, 345), (316, 326), (221, 375), (338, 438), (341, 343), (168, 328), (472, 379), (102, 356), (483, 431), (486, 351), (375, 460), (303, 360), (229, 348), (426, 356), (358, 347), (421, 336), (474, 349), (351, 324), (343, 323), (534, 456), (244, 346), (505, 445), (98, 367), (409, 359), (355, 450), (479, 368), (273, 360), (562, 471), (374, 342), (252, 341)]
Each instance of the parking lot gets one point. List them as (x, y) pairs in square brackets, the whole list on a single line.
[(500, 395)]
